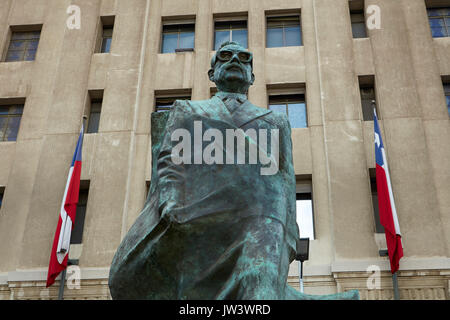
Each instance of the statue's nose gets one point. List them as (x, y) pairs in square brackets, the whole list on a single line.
[(235, 58)]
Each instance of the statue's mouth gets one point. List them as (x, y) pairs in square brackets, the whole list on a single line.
[(234, 67)]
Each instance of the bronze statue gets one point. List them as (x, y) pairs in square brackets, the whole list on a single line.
[(220, 220)]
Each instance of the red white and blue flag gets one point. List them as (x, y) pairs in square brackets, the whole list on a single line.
[(61, 243), (386, 204)]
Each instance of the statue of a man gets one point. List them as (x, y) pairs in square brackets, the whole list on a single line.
[(220, 217)]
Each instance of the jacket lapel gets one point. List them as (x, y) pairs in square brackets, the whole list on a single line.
[(216, 109), (248, 112)]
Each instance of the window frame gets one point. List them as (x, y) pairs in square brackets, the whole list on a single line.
[(2, 195), (76, 237), (353, 14), (230, 29), (287, 98), (442, 17), (374, 198), (446, 87), (105, 23), (179, 31), (367, 82), (9, 115), (170, 97), (285, 16), (9, 38), (304, 191), (94, 97)]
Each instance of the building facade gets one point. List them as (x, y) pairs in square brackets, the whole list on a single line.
[(119, 61)]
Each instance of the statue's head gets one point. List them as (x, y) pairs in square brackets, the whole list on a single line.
[(232, 68)]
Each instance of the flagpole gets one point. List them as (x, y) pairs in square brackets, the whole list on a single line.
[(385, 252), (62, 282), (395, 285)]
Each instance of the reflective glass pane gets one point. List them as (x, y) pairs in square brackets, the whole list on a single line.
[(35, 35), (187, 40), (4, 110), (359, 30), (241, 37), (20, 35), (221, 37), (94, 121), (367, 109), (33, 45), (30, 55), (107, 32), (448, 104), (297, 115), (13, 129), (436, 22), (447, 21), (17, 45), (16, 109), (14, 56), (438, 32), (170, 42), (274, 37), (293, 36), (281, 108), (305, 218), (106, 45), (3, 124)]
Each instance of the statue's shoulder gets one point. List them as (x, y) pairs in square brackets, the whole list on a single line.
[(191, 106), (276, 118)]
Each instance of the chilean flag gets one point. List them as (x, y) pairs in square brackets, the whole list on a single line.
[(388, 213), (61, 243)]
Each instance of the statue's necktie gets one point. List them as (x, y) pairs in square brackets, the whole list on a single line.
[(232, 104)]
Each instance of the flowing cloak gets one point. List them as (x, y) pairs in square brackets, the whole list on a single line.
[(212, 231)]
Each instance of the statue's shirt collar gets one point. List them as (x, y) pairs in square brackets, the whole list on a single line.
[(222, 95)]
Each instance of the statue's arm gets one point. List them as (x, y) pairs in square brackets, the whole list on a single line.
[(170, 175)]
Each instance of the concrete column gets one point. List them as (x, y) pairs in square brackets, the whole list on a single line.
[(404, 131), (349, 194)]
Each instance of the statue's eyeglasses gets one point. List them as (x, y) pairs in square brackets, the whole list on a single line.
[(227, 55)]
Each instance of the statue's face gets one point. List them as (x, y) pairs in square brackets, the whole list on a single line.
[(233, 69)]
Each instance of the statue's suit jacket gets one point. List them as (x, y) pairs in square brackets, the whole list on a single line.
[(209, 203)]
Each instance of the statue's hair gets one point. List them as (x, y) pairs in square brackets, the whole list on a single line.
[(224, 44)]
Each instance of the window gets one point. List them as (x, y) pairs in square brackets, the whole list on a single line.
[(106, 34), (10, 116), (283, 31), (94, 110), (165, 103), (357, 18), (77, 231), (358, 25), (294, 106), (2, 191), (368, 97), (107, 39), (23, 46), (178, 38), (305, 212), (447, 96), (376, 213), (230, 31), (439, 19)]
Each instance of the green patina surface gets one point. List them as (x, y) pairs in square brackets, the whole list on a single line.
[(217, 231)]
